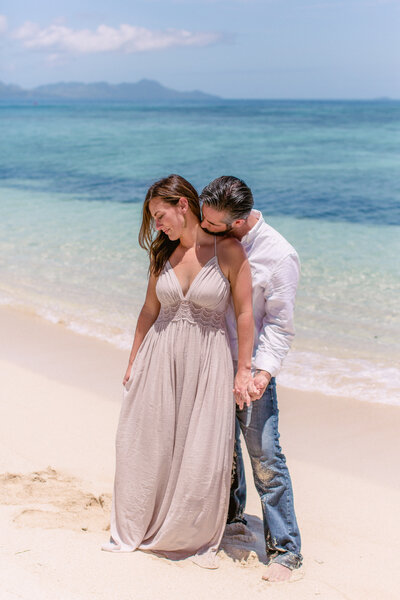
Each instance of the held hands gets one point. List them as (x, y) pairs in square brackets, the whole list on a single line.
[(260, 383), (247, 389), (244, 388)]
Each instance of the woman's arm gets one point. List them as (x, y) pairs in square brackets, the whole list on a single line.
[(239, 276), (147, 316)]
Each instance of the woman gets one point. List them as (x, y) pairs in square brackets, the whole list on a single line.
[(176, 430)]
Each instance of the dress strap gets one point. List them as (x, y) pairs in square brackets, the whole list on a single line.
[(215, 245)]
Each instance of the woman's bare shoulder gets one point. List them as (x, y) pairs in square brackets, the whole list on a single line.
[(230, 246)]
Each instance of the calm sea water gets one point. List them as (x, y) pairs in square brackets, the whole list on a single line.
[(325, 174)]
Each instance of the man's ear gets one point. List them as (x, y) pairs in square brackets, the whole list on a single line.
[(238, 222), (183, 204)]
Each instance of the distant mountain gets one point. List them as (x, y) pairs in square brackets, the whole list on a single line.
[(11, 91), (145, 90)]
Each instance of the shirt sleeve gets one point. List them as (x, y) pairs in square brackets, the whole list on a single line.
[(277, 331)]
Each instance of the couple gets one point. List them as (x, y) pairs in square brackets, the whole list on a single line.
[(176, 432)]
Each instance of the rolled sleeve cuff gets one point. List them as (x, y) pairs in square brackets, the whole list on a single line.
[(267, 363)]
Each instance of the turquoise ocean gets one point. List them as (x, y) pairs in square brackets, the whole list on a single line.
[(73, 177)]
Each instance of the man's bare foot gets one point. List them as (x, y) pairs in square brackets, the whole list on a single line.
[(277, 572)]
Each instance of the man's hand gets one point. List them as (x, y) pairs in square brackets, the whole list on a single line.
[(260, 382)]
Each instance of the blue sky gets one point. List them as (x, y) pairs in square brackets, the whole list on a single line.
[(235, 48)]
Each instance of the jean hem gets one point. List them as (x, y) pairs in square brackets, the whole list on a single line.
[(288, 559)]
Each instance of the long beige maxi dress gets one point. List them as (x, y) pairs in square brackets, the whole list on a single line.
[(176, 430)]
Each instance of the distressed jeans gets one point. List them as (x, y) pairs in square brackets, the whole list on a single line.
[(259, 425)]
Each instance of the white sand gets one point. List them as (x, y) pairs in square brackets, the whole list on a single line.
[(59, 405)]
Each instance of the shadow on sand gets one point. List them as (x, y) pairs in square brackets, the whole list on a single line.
[(245, 543)]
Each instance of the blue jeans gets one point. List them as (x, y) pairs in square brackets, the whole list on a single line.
[(259, 425)]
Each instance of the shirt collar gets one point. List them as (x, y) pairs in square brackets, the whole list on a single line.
[(249, 237)]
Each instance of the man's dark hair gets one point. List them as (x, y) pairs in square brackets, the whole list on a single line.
[(229, 194)]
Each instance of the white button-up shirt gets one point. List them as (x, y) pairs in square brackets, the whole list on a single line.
[(275, 270)]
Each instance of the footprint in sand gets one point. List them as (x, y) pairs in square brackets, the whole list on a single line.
[(52, 500)]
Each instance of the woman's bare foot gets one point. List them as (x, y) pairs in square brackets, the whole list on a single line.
[(277, 572)]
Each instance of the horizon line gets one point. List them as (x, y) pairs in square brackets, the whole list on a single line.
[(217, 97)]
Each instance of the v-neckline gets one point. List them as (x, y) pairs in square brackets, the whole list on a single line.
[(184, 296)]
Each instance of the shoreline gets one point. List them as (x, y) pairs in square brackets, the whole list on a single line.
[(374, 382), (60, 394)]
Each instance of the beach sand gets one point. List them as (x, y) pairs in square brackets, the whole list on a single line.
[(59, 400)]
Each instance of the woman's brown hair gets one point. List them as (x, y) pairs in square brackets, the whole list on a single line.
[(160, 247)]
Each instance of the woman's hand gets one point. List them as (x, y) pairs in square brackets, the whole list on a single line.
[(147, 316), (127, 375), (243, 382)]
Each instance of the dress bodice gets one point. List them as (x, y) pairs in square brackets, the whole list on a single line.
[(204, 303)]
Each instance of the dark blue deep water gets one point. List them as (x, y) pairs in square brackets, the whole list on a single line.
[(332, 160)]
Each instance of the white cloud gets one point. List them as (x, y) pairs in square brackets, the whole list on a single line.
[(127, 38), (3, 24)]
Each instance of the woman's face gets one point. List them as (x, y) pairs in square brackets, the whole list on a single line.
[(168, 218)]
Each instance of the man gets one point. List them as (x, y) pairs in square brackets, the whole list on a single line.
[(228, 210)]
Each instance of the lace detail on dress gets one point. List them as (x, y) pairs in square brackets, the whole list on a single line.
[(185, 310)]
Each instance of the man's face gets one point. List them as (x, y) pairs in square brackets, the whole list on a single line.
[(215, 221)]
